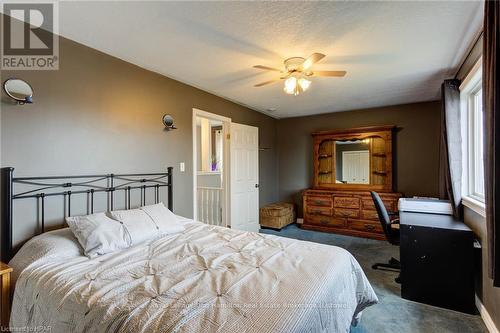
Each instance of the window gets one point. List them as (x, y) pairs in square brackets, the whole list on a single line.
[(475, 143), (472, 131)]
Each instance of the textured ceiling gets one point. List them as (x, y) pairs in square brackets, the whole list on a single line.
[(393, 52)]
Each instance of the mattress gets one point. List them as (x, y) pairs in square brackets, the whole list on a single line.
[(205, 279)]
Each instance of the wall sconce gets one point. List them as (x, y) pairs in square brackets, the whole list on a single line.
[(19, 90), (168, 122)]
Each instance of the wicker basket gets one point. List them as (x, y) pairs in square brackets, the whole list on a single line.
[(277, 215)]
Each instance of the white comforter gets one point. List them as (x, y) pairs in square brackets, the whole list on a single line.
[(206, 279)]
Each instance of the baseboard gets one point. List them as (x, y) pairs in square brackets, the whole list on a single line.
[(486, 317)]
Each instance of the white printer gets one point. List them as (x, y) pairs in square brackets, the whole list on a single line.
[(425, 205)]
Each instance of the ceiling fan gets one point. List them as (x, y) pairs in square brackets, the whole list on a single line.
[(296, 73)]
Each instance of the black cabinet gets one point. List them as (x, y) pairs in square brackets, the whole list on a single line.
[(437, 261)]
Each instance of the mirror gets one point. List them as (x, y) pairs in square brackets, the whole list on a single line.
[(19, 90), (352, 159), (209, 145), (216, 148), (355, 158)]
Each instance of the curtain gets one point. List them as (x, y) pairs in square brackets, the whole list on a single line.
[(451, 146), (491, 104)]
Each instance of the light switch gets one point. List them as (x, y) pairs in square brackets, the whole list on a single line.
[(182, 167)]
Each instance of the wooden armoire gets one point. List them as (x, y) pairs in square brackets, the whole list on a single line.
[(348, 164)]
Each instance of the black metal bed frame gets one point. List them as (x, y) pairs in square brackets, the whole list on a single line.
[(69, 186)]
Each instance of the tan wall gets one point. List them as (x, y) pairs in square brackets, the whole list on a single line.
[(416, 155), (100, 114), (489, 295)]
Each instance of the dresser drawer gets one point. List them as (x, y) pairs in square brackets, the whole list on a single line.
[(318, 210), (390, 205), (325, 201), (346, 202), (366, 226), (369, 215), (346, 213), (326, 221)]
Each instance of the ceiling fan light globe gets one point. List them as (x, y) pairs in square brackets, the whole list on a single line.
[(288, 91), (290, 85), (304, 84)]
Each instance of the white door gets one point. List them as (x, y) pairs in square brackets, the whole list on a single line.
[(244, 177), (364, 167), (356, 167), (348, 166)]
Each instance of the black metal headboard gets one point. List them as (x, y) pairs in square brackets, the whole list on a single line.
[(82, 186)]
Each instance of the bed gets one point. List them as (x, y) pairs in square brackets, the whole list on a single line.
[(203, 279)]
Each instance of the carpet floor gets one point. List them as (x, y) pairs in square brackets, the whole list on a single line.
[(392, 313)]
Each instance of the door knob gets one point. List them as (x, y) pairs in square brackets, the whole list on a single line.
[(256, 185)]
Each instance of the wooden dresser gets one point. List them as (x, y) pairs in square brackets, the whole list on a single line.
[(348, 164), (345, 212)]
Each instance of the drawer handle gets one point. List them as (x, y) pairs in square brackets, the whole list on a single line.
[(369, 227), (324, 221), (318, 202)]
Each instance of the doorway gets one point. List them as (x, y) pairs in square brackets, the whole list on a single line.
[(225, 172), (210, 168)]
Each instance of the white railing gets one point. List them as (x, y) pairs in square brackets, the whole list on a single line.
[(210, 205)]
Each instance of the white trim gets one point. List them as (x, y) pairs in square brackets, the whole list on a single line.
[(210, 188), (226, 127), (488, 322), (476, 205), (205, 114), (208, 173), (470, 86)]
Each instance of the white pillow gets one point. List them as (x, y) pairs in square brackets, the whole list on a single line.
[(98, 234), (164, 219), (139, 225), (147, 222)]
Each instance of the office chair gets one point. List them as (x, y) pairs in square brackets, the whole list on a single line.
[(391, 234)]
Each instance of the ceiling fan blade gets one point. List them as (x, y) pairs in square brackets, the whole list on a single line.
[(267, 68), (329, 73), (265, 83), (286, 75), (313, 58)]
